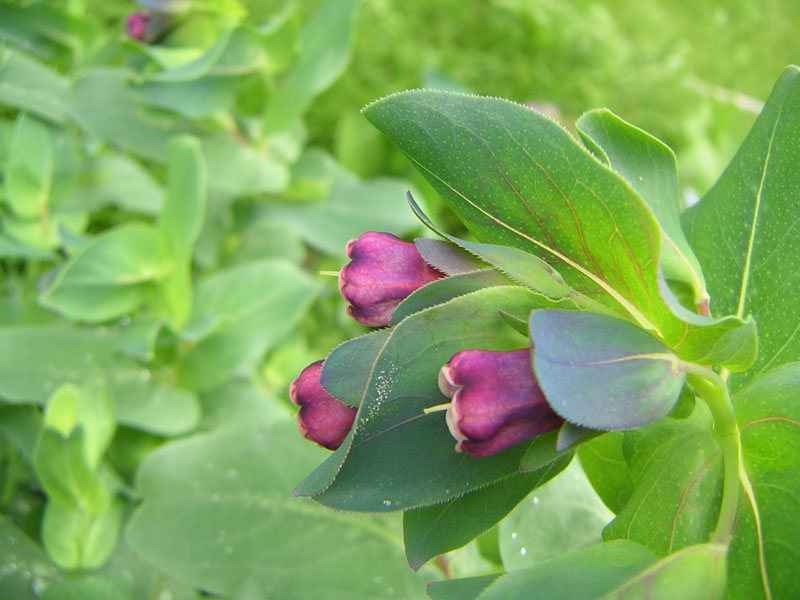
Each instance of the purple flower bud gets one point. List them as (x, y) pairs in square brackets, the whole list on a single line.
[(496, 401), (322, 418), (136, 25), (383, 271)]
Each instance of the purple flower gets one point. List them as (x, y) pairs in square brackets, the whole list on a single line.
[(136, 25), (383, 271), (496, 401), (322, 418)]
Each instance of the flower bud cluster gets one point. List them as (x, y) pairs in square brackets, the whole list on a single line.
[(495, 400)]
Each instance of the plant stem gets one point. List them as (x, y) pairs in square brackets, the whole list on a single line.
[(713, 390)]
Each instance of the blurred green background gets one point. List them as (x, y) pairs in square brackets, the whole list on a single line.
[(150, 324)]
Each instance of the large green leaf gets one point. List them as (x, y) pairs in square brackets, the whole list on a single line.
[(109, 277), (676, 468), (602, 372), (529, 185), (218, 512), (326, 45), (561, 517), (649, 166), (742, 230), (396, 457), (255, 306), (764, 552), (443, 527)]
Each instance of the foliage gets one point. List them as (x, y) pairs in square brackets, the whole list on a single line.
[(164, 201)]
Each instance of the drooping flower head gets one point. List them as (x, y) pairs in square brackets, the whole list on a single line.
[(322, 418), (382, 272), (496, 401)]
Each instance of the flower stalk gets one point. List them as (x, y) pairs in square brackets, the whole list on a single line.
[(714, 392)]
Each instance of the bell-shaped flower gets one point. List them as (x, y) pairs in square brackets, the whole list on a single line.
[(322, 418), (496, 401), (382, 272), (136, 25)]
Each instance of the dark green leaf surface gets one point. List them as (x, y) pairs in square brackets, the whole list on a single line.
[(649, 166), (743, 231), (604, 463), (764, 554), (516, 178), (437, 529), (676, 468), (368, 472), (218, 513), (357, 358), (580, 355)]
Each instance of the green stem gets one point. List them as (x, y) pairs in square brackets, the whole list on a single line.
[(713, 390)]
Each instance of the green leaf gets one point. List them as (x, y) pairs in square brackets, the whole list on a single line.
[(45, 233), (258, 303), (347, 207), (437, 529), (24, 567), (577, 355), (448, 258), (120, 180), (77, 540), (649, 166), (742, 231), (65, 473), (109, 277), (396, 457), (325, 51), (604, 463), (527, 269), (265, 543), (543, 451), (764, 552), (587, 574), (35, 360), (181, 221), (103, 105), (697, 572), (30, 86), (238, 169), (447, 288), (89, 408), (676, 468), (355, 357), (29, 173), (560, 517), (460, 589), (588, 223), (209, 82)]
